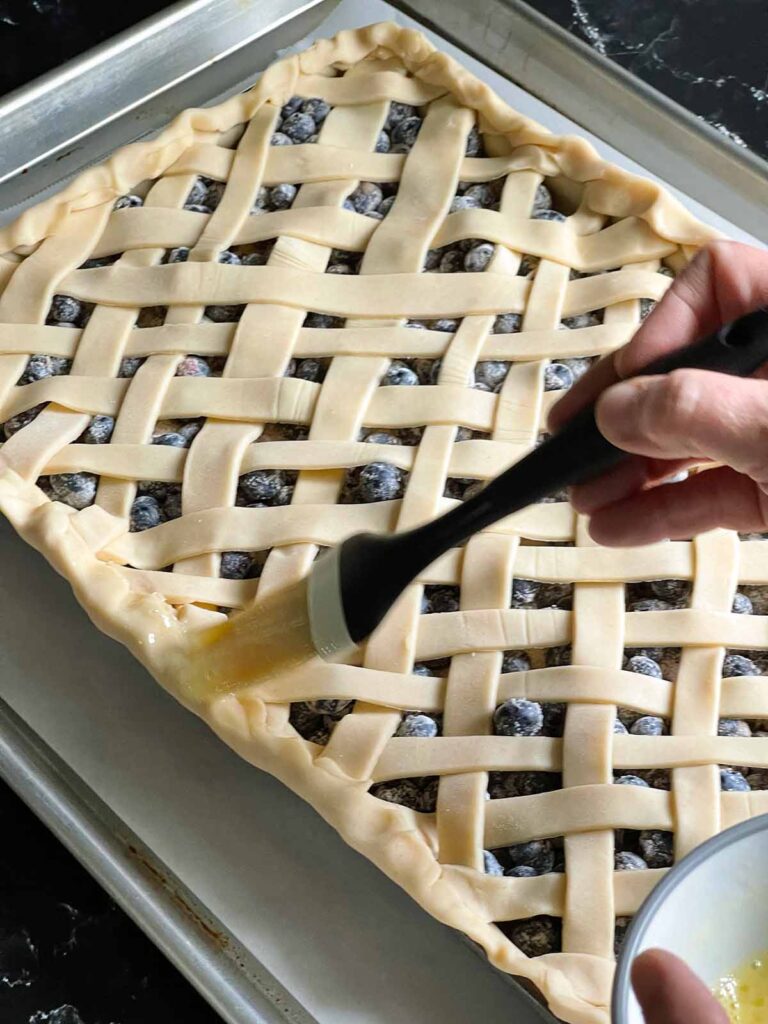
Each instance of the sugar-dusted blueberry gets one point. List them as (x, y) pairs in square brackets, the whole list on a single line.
[(537, 854), (542, 200), (557, 377), (515, 661), (298, 126), (491, 864), (190, 429), (262, 485), (406, 132), (380, 481), (624, 860), (581, 320), (733, 727), (650, 604), (310, 369), (128, 202), (445, 324), (492, 373), (451, 262), (554, 215), (643, 666), (478, 257), (98, 431), (656, 848), (145, 513), (507, 784), (578, 365), (648, 725), (214, 193), (739, 665), (485, 194), (518, 717), (66, 309), (742, 605), (41, 366), (291, 106), (383, 142), (335, 708), (317, 108), (129, 366), (178, 255), (405, 792), (386, 205), (507, 323), (399, 375), (442, 599), (474, 144), (381, 437), (172, 503), (77, 490), (224, 314), (366, 197), (197, 193), (280, 139), (421, 726), (193, 366), (235, 565), (629, 780), (281, 196), (229, 257), (170, 439), (524, 592), (322, 320), (733, 781), (20, 420), (618, 727), (671, 590), (199, 208), (536, 936), (399, 112), (463, 203)]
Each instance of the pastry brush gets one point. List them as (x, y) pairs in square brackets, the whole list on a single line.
[(350, 588)]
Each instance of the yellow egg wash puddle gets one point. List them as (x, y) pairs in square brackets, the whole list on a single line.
[(744, 993)]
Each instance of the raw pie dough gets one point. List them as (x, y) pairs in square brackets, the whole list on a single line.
[(616, 222)]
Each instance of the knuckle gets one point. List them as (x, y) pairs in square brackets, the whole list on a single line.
[(676, 403)]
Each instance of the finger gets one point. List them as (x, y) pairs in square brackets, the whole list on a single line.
[(714, 498), (670, 993), (625, 479), (690, 414), (724, 281)]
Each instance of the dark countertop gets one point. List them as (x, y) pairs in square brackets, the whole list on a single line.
[(68, 955)]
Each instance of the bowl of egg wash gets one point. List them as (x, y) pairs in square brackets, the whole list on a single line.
[(711, 910)]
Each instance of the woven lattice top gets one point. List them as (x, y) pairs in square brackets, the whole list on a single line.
[(342, 302)]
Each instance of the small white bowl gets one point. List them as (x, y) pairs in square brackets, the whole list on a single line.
[(711, 910)]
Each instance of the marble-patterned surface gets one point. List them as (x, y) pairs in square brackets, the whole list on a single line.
[(67, 954), (708, 55)]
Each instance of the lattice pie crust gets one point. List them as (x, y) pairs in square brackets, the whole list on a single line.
[(340, 302)]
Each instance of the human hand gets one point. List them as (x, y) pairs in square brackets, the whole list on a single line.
[(670, 993), (685, 417)]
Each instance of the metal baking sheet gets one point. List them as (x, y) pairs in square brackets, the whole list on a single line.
[(239, 882)]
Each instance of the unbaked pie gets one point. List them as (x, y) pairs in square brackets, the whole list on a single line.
[(343, 301)]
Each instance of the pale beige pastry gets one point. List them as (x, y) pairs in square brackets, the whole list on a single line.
[(345, 315)]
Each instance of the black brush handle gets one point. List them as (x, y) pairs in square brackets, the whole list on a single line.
[(375, 570)]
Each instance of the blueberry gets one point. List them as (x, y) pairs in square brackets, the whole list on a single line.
[(406, 792), (151, 316), (629, 780), (386, 205), (524, 592), (732, 781), (128, 202), (578, 366), (515, 661), (417, 725), (536, 936), (145, 513), (741, 604), (521, 871), (442, 599), (156, 488), (172, 503), (484, 194), (511, 784), (478, 257), (399, 112), (335, 708), (619, 727), (451, 262), (214, 194), (291, 106), (381, 437), (474, 144), (310, 369), (281, 196), (491, 865), (656, 848), (648, 725), (518, 717), (575, 323), (224, 314), (383, 142), (446, 325), (40, 366), (431, 262), (193, 366), (626, 861), (197, 193), (537, 854), (199, 208), (557, 377), (322, 320), (255, 259), (733, 727), (463, 203), (399, 375), (549, 215), (317, 109), (190, 429), (77, 490), (671, 590), (98, 431), (380, 481), (507, 323), (128, 367), (262, 485), (65, 309), (227, 256), (366, 198), (738, 665), (644, 666), (171, 439), (542, 200), (298, 127), (178, 255), (554, 718), (406, 131), (280, 139), (650, 604)]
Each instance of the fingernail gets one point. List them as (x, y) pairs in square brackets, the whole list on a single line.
[(618, 409)]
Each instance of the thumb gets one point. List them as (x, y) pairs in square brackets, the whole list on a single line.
[(690, 414), (670, 993)]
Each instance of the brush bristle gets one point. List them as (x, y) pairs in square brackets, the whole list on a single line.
[(261, 642)]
